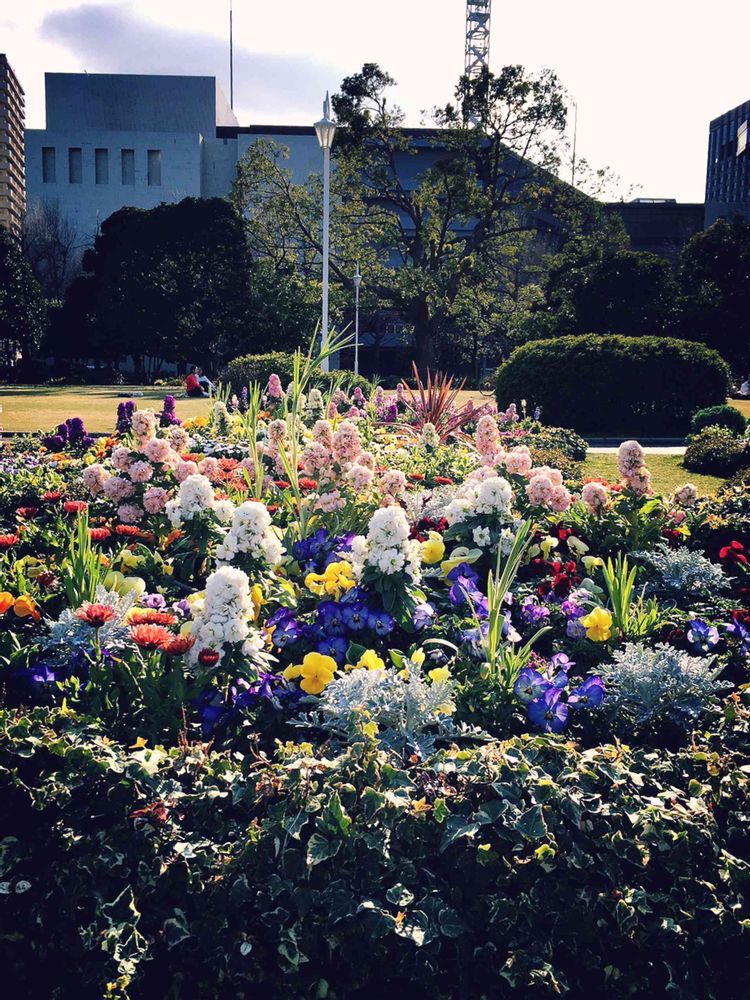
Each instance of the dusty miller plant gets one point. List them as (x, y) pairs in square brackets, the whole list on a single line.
[(649, 687), (71, 631), (679, 572)]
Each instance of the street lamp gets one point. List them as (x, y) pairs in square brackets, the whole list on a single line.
[(325, 130), (357, 283)]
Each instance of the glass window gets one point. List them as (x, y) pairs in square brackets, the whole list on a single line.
[(154, 167), (49, 170), (128, 166), (75, 165), (101, 166)]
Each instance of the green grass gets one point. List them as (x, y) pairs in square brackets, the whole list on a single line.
[(667, 472), (42, 407)]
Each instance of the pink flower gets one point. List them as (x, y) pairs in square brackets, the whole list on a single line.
[(157, 450), (155, 499), (130, 513), (322, 433), (540, 490), (594, 497), (560, 500), (274, 389), (141, 472), (393, 483), (359, 478), (330, 502), (121, 458), (630, 457), (185, 469), (94, 477), (518, 461), (554, 475), (118, 489), (210, 468)]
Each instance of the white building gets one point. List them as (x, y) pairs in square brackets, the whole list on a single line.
[(117, 140)]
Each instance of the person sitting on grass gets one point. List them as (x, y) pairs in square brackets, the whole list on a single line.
[(205, 382), (193, 385)]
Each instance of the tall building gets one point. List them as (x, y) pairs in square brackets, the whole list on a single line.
[(659, 225), (12, 169), (728, 173)]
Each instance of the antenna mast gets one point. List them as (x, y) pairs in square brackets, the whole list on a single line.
[(477, 37), (231, 57)]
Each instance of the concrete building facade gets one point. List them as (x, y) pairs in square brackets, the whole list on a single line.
[(659, 225), (728, 171), (12, 161)]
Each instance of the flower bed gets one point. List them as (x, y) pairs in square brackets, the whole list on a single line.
[(328, 694)]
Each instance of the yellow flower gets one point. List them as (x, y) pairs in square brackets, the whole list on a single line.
[(292, 673), (598, 625), (417, 657), (433, 549), (370, 729), (6, 601), (317, 672), (129, 560), (577, 546), (336, 580), (25, 607), (592, 562), (89, 459), (132, 584), (256, 596), (547, 544), (370, 661), (439, 674)]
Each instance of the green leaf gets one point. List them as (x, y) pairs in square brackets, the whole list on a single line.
[(531, 824), (321, 849), (399, 895), (335, 816)]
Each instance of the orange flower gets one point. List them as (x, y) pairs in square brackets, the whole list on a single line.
[(25, 607), (150, 636), (99, 534), (6, 601), (95, 614), (75, 506), (150, 616), (179, 644), (8, 541)]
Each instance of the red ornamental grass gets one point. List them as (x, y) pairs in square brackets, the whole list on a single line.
[(95, 615), (150, 637), (75, 506)]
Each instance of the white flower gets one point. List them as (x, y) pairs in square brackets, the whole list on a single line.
[(481, 537)]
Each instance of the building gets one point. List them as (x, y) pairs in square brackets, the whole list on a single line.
[(728, 172), (659, 225), (117, 140), (12, 163)]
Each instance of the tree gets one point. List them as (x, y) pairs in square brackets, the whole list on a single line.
[(169, 283), (714, 279), (50, 245), (435, 216), (23, 315)]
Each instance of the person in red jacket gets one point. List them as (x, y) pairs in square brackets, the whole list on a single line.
[(192, 384)]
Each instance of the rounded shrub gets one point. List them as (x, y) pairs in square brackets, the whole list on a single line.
[(717, 452), (258, 367), (718, 416), (615, 385)]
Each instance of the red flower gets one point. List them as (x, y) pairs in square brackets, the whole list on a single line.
[(95, 614), (46, 579), (443, 481), (733, 554), (281, 484), (27, 512), (150, 636), (75, 506), (179, 644), (272, 508), (416, 477), (308, 484), (150, 616), (8, 541), (208, 657), (99, 534), (51, 495), (130, 531)]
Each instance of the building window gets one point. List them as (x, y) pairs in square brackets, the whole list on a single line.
[(127, 158), (75, 165), (49, 170), (101, 166), (154, 167)]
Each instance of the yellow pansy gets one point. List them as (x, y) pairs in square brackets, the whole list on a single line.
[(26, 607), (458, 556), (256, 596), (417, 657), (132, 585), (439, 675), (292, 673), (129, 560), (576, 546), (547, 545), (317, 672), (89, 459), (598, 625), (433, 549), (370, 660), (335, 581), (591, 563)]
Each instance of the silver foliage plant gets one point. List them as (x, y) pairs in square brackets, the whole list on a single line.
[(679, 572), (71, 631), (410, 711), (647, 687)]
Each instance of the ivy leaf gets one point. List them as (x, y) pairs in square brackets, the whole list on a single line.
[(413, 927), (321, 849), (455, 828), (399, 895), (451, 924), (336, 817), (531, 824)]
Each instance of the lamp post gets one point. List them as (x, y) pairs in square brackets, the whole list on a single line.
[(325, 130), (357, 283)]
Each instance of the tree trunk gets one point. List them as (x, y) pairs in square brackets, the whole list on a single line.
[(424, 335)]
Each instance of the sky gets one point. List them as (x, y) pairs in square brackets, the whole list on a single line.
[(647, 75)]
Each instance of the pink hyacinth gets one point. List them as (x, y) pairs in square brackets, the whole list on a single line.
[(595, 497), (155, 499), (141, 472), (130, 513), (185, 469), (518, 461), (274, 389)]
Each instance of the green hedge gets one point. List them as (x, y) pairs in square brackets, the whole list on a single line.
[(528, 868), (716, 451), (258, 367), (615, 385), (719, 416)]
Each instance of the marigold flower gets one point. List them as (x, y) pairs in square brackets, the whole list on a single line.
[(27, 512), (51, 495), (308, 484), (150, 636), (95, 614), (442, 481), (26, 607), (129, 531)]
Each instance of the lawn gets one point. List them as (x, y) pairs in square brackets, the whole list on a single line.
[(667, 471), (42, 407)]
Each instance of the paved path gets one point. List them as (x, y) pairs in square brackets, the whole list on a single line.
[(662, 450)]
